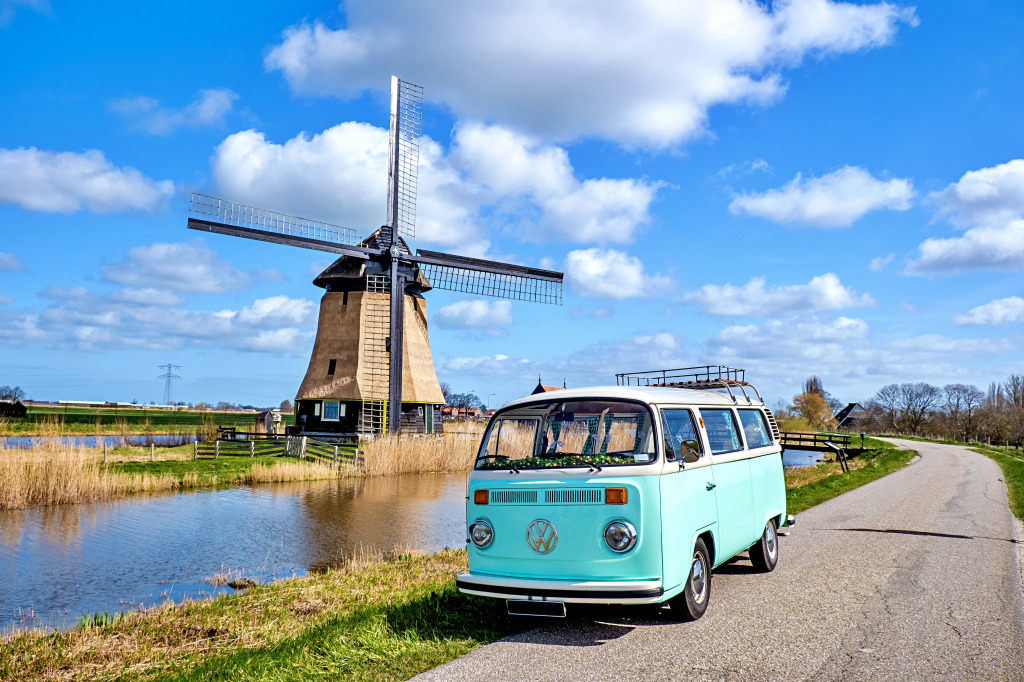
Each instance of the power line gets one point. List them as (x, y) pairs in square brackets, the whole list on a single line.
[(169, 376)]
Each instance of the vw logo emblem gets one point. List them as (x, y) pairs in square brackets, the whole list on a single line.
[(541, 536)]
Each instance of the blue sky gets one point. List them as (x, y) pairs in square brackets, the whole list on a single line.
[(795, 187)]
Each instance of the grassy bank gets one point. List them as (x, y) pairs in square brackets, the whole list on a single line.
[(810, 486), (1012, 464), (373, 620), (88, 421)]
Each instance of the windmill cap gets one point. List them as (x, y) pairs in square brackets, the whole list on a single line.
[(349, 267)]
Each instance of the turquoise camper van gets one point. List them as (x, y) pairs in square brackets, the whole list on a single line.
[(626, 494)]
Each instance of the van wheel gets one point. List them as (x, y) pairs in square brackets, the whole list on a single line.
[(692, 602), (764, 554)]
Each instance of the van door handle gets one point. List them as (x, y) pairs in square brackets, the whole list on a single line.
[(710, 486)]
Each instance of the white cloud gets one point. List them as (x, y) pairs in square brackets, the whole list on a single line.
[(147, 296), (10, 263), (989, 203), (986, 197), (9, 7), (753, 299), (611, 274), (830, 201), (878, 264), (997, 248), (143, 319), (509, 164), (4, 300), (190, 268), (563, 70), (1001, 311), (340, 176), (494, 317), (146, 114), (63, 182)]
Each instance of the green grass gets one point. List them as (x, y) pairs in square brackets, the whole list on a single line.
[(1012, 464), (877, 461), (83, 420), (225, 469), (382, 620)]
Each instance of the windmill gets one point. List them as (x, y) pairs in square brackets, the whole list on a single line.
[(391, 271)]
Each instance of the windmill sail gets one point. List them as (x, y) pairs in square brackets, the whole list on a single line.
[(489, 278), (404, 156)]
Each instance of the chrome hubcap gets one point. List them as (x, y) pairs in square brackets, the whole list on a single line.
[(698, 579), (771, 541)]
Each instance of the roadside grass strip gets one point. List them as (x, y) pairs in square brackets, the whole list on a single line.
[(826, 481), (1012, 464), (371, 619)]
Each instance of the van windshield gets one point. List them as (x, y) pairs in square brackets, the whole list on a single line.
[(584, 433)]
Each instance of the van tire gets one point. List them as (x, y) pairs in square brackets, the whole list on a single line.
[(764, 554), (692, 602)]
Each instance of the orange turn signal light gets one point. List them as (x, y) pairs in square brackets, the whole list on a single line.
[(615, 496), (479, 497)]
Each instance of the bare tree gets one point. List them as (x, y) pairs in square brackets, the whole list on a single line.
[(886, 405), (286, 406), (962, 403), (917, 400), (446, 390), (11, 393)]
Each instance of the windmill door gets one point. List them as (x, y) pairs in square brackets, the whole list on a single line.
[(429, 418)]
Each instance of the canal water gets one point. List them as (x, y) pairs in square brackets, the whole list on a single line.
[(59, 562), (25, 442)]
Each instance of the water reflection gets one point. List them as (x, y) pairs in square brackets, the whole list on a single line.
[(63, 561)]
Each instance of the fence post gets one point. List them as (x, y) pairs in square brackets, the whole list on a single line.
[(252, 448), (335, 455), (302, 448), (216, 449), (152, 450), (355, 457), (195, 449)]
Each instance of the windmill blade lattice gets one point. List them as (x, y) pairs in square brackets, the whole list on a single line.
[(490, 278), (406, 125), (215, 212)]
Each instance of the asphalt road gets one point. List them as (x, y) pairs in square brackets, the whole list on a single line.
[(916, 576)]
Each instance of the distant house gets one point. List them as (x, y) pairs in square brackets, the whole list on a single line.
[(850, 417), (12, 409), (452, 412), (541, 388)]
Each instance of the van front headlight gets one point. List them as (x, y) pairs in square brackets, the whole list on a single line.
[(481, 533), (620, 536)]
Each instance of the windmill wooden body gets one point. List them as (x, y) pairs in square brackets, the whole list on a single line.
[(371, 370)]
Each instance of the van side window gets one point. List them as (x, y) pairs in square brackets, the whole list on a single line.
[(723, 436), (755, 428), (681, 439)]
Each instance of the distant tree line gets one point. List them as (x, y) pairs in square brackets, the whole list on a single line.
[(961, 412), (12, 393)]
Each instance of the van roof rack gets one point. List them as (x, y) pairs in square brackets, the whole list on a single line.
[(702, 377)]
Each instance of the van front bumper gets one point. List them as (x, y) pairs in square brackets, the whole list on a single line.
[(575, 592)]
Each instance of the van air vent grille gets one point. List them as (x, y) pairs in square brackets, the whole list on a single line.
[(575, 496), (513, 497)]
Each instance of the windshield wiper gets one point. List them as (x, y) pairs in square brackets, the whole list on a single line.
[(504, 458), (564, 455)]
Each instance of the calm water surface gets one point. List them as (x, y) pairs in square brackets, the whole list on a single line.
[(58, 562), (25, 442)]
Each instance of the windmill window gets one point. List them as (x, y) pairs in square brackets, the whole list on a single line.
[(331, 366), (344, 298), (331, 410)]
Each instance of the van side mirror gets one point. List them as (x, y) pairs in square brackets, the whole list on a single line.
[(692, 451)]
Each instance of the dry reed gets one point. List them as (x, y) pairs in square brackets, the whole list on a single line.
[(289, 470), (412, 455), (62, 475)]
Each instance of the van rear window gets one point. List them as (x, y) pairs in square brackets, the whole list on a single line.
[(755, 428)]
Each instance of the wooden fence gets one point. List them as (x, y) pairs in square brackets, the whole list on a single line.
[(301, 447)]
